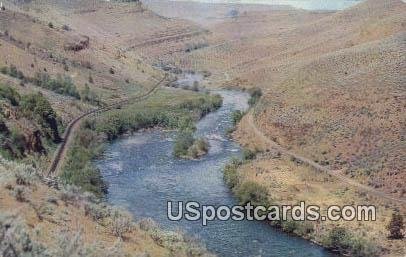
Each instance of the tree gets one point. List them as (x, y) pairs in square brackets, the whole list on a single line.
[(396, 226), (36, 106)]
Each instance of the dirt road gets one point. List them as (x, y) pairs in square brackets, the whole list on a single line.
[(316, 166)]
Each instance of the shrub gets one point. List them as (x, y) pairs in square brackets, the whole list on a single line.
[(255, 94), (9, 93), (37, 107), (230, 173), (252, 192), (66, 27), (61, 84), (236, 116), (289, 226), (20, 193), (4, 70), (121, 223), (96, 211), (396, 226), (343, 241), (51, 25), (89, 96), (183, 141), (78, 169), (147, 224), (16, 241), (249, 154)]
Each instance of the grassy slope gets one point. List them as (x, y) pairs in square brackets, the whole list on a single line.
[(67, 223), (33, 46), (338, 102)]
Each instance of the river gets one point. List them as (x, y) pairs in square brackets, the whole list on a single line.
[(143, 175)]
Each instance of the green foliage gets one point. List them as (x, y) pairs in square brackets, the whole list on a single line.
[(16, 241), (343, 241), (236, 116), (89, 96), (252, 192), (38, 108), (230, 173), (18, 143), (183, 142), (13, 72), (255, 94), (203, 105), (78, 169), (153, 112), (248, 154), (9, 93), (61, 84), (4, 70), (199, 148)]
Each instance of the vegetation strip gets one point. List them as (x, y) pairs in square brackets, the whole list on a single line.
[(68, 133)]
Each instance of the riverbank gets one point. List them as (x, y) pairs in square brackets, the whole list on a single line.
[(67, 222), (143, 175), (167, 108), (286, 181)]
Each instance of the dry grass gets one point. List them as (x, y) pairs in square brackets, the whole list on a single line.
[(289, 183), (71, 222)]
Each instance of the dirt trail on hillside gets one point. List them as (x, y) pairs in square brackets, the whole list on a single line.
[(337, 174), (68, 136)]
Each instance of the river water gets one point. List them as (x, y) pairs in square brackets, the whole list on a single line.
[(143, 176)]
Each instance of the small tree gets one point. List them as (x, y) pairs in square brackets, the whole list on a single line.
[(396, 226)]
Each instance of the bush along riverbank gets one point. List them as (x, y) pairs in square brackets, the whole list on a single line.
[(170, 109), (337, 238)]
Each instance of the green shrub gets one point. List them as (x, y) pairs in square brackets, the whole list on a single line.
[(230, 173), (203, 105), (255, 94), (248, 154), (4, 70), (199, 148), (13, 72), (61, 85), (16, 241), (345, 242), (183, 141), (89, 96), (78, 169), (9, 93), (38, 108), (289, 226), (252, 192), (236, 116)]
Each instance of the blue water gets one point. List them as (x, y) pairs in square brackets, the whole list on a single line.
[(143, 176)]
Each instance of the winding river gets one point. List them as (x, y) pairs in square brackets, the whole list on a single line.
[(143, 176)]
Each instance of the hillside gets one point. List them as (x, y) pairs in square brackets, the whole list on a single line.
[(332, 91), (333, 82), (58, 61)]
